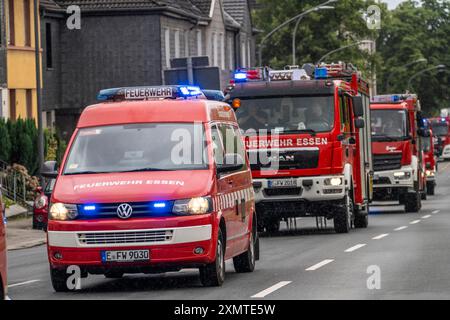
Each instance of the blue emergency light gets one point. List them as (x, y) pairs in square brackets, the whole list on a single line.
[(240, 76), (150, 92), (159, 205), (320, 73), (89, 208), (395, 98)]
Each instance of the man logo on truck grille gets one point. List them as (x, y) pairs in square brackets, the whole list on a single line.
[(124, 211)]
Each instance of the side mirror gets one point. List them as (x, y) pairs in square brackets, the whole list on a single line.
[(358, 109), (39, 189), (231, 162), (50, 170), (359, 123)]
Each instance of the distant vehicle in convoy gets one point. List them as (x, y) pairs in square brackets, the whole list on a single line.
[(397, 156), (440, 127), (40, 205), (430, 159), (307, 133), (155, 179), (3, 248)]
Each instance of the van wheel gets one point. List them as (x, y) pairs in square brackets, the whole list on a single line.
[(344, 216), (59, 279), (2, 290), (245, 262), (113, 274), (213, 274), (413, 202)]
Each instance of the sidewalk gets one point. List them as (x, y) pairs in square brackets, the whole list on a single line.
[(20, 234)]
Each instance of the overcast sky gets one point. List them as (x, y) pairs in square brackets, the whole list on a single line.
[(392, 3)]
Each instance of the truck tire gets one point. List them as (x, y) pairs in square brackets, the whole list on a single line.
[(343, 217), (361, 220), (59, 279), (245, 262), (430, 189), (423, 195), (413, 202), (213, 274)]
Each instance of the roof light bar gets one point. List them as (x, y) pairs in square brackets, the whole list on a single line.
[(150, 93)]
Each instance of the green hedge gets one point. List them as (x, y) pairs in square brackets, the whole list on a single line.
[(19, 144)]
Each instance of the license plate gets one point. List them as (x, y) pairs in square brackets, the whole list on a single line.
[(125, 256), (280, 183)]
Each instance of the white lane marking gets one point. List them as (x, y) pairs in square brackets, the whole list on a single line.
[(381, 236), (23, 283), (435, 211), (355, 247), (400, 228), (319, 265), (415, 221), (271, 289), (426, 216)]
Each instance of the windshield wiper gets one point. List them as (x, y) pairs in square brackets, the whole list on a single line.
[(385, 138), (83, 172), (310, 131), (146, 169)]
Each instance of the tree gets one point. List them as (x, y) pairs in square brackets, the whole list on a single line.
[(5, 142)]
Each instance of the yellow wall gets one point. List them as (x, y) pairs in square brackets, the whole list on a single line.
[(21, 67)]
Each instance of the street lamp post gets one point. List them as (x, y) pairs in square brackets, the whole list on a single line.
[(37, 46), (439, 66), (342, 48), (261, 44), (294, 33), (404, 66)]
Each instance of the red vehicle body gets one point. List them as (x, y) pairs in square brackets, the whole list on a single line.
[(305, 166), (195, 214), (3, 249), (40, 205), (398, 158), (430, 159), (440, 127)]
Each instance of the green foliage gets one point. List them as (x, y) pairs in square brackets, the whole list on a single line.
[(5, 142)]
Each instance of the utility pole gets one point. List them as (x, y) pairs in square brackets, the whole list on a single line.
[(38, 86)]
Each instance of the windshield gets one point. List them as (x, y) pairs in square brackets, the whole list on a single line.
[(286, 114), (439, 129), (426, 144), (389, 124), (137, 147)]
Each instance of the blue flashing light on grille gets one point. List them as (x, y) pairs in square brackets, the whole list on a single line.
[(320, 73), (159, 205), (89, 208)]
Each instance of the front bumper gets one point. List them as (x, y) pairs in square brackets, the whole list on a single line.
[(170, 244), (387, 179)]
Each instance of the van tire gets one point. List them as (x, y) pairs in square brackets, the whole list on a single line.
[(59, 279), (213, 274), (245, 262), (2, 291)]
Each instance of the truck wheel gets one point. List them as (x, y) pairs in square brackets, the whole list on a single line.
[(213, 274), (272, 225), (423, 195), (343, 218), (245, 262), (361, 220), (413, 202), (430, 189), (59, 279)]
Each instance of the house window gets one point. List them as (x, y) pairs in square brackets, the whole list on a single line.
[(12, 104), (199, 42), (222, 51), (243, 55), (48, 45), (167, 46), (230, 51), (214, 50), (27, 17), (12, 33), (177, 43), (29, 102), (186, 44), (249, 62)]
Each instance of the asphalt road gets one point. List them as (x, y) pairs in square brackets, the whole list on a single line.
[(409, 252)]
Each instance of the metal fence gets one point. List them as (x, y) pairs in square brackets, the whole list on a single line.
[(13, 186)]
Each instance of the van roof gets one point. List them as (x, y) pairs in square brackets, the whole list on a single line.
[(180, 110)]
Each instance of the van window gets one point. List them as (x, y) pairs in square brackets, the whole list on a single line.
[(138, 147)]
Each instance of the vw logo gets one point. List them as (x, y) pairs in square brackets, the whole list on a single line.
[(124, 211)]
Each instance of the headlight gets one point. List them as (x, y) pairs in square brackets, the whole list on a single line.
[(61, 211), (40, 202), (429, 173), (200, 205), (402, 175), (336, 181)]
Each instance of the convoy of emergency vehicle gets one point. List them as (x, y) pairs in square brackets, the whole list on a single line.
[(308, 138), (158, 179)]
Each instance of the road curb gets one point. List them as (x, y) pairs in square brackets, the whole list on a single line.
[(28, 244)]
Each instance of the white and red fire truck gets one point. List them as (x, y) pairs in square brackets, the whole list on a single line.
[(307, 133)]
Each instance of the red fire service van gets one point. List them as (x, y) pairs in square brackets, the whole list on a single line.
[(308, 139), (155, 179), (3, 264), (440, 127), (429, 158), (397, 155)]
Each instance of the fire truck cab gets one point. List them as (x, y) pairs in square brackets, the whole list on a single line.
[(307, 133), (430, 159), (154, 179), (397, 155), (441, 132)]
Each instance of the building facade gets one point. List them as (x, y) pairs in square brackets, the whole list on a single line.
[(17, 59), (126, 43)]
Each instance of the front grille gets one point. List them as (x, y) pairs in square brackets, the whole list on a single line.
[(284, 159), (382, 180), (273, 192), (383, 162), (140, 209), (132, 237)]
